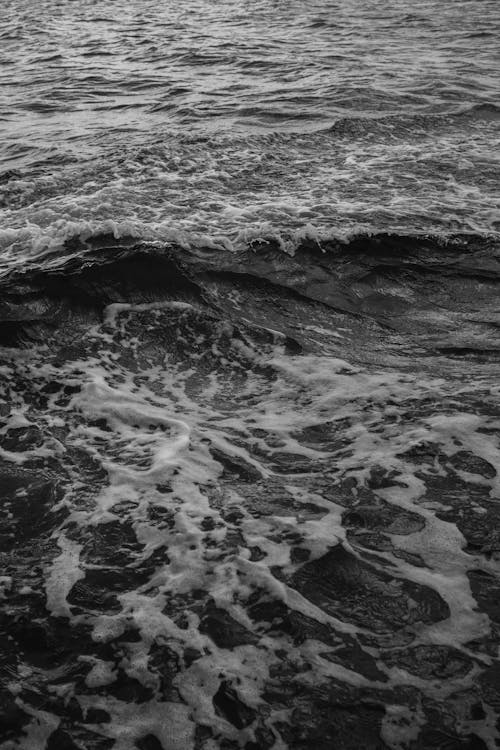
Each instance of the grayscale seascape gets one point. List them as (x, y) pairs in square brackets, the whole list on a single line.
[(249, 375)]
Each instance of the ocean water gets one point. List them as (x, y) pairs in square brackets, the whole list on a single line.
[(249, 360)]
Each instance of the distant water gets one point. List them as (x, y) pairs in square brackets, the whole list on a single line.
[(225, 121), (249, 359)]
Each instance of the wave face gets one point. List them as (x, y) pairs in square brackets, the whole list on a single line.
[(249, 356)]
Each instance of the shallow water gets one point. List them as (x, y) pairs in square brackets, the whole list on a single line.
[(249, 352)]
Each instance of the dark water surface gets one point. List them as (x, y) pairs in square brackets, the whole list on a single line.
[(249, 359)]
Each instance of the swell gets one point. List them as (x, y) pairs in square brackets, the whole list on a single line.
[(439, 293), (416, 122), (81, 258), (398, 123)]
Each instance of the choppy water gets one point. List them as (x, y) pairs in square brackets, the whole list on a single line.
[(249, 357), (224, 121)]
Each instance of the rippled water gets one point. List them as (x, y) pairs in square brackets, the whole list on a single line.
[(249, 356), (225, 121), (91, 67)]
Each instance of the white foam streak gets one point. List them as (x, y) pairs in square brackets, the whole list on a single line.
[(64, 572)]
